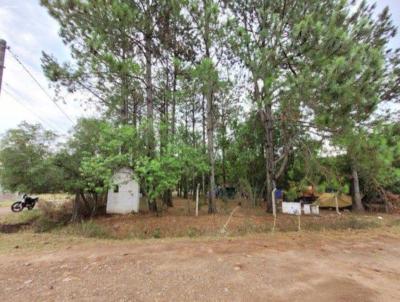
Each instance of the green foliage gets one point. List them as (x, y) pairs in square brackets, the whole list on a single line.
[(163, 172), (26, 160), (314, 71), (157, 233)]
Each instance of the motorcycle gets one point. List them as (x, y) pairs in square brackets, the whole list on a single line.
[(26, 202)]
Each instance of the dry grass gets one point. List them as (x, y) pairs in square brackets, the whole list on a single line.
[(6, 203), (28, 241), (180, 221), (22, 217), (57, 197)]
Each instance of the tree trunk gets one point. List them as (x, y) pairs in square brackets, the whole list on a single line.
[(149, 96), (203, 126), (210, 124), (77, 209), (223, 165), (186, 188), (210, 138), (357, 203), (149, 105), (165, 136), (167, 198), (152, 206), (173, 120), (266, 116)]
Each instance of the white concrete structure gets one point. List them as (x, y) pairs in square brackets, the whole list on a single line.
[(123, 197), (307, 209), (293, 208)]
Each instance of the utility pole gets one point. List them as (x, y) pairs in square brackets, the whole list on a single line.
[(3, 46)]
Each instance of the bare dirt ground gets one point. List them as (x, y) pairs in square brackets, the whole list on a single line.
[(327, 266)]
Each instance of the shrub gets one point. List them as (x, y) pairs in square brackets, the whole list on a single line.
[(53, 215), (157, 233), (193, 232), (57, 212)]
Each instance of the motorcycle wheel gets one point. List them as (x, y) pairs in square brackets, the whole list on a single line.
[(17, 206)]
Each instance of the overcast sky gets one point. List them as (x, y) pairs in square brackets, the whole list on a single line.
[(29, 30)]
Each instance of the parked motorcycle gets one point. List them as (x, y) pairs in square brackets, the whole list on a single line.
[(26, 202)]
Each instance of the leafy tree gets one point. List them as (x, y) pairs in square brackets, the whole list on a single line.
[(314, 65), (26, 160), (170, 74)]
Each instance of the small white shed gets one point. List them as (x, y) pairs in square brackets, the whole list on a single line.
[(123, 197)]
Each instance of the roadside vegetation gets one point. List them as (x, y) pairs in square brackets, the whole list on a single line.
[(177, 223), (213, 98)]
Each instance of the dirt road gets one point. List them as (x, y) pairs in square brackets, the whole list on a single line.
[(289, 267)]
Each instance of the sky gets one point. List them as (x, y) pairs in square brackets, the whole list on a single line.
[(29, 30)]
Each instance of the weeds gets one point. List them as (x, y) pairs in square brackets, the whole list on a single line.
[(88, 229), (53, 215), (157, 233), (395, 223), (22, 217), (193, 232)]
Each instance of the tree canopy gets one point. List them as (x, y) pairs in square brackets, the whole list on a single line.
[(254, 94)]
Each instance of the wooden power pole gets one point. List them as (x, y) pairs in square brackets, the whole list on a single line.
[(3, 46)]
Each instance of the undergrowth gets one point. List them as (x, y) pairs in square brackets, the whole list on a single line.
[(25, 216), (89, 229)]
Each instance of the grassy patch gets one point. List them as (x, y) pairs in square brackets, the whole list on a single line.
[(21, 217), (395, 223), (88, 229), (336, 223), (193, 232)]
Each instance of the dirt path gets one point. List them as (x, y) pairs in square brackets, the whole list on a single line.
[(346, 267)]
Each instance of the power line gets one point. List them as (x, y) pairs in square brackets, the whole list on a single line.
[(30, 111), (38, 83)]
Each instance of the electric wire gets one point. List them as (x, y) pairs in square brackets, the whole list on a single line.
[(38, 83)]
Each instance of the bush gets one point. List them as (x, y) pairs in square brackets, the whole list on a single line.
[(53, 215), (60, 212), (193, 232), (157, 233)]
